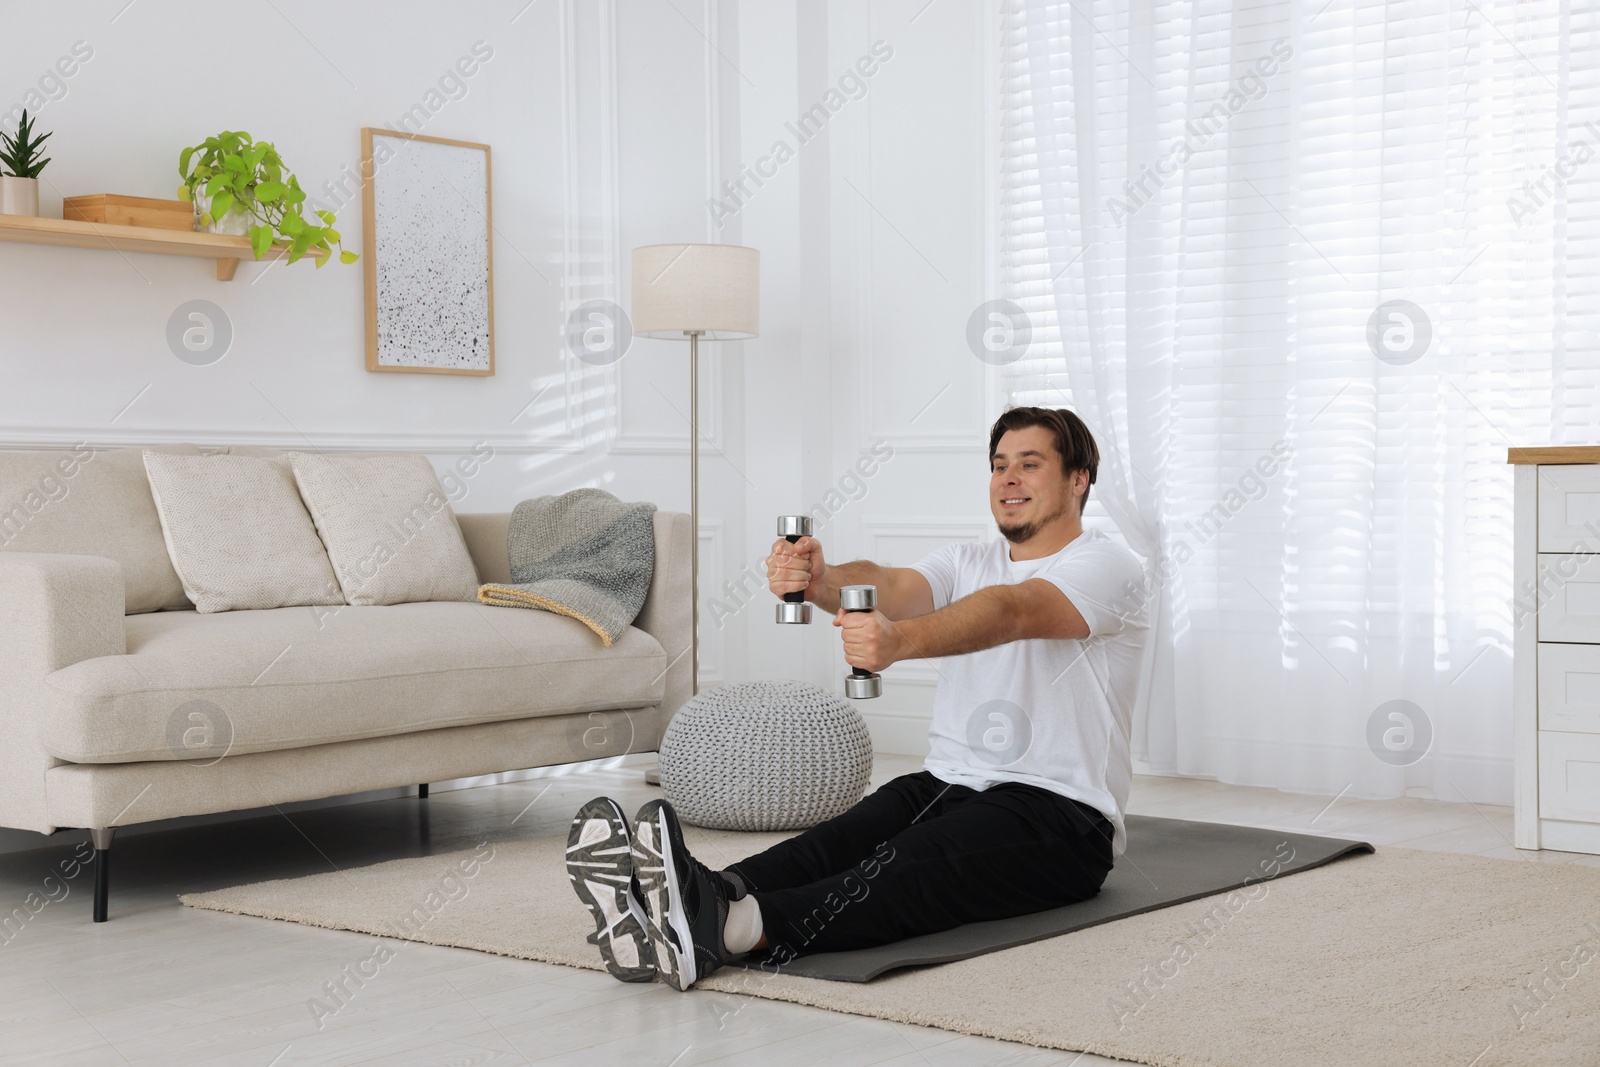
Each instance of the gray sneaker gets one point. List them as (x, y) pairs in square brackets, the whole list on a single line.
[(600, 868), (685, 901)]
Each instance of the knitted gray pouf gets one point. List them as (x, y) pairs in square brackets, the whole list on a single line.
[(780, 755)]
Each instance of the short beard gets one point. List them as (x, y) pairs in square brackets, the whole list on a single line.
[(1018, 534)]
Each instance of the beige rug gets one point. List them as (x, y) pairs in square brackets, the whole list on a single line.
[(1403, 957)]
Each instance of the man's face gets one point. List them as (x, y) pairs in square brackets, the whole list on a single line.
[(1028, 490)]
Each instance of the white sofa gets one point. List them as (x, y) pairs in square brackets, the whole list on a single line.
[(119, 704)]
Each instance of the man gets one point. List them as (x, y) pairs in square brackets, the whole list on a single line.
[(1019, 807)]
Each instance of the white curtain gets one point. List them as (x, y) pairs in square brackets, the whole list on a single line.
[(1308, 270)]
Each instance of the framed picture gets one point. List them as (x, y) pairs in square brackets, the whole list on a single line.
[(429, 262)]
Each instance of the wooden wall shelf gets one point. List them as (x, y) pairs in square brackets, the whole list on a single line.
[(227, 251)]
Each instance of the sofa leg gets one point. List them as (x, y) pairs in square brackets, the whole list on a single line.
[(422, 791), (102, 872)]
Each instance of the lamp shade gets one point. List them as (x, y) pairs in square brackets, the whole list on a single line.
[(710, 289)]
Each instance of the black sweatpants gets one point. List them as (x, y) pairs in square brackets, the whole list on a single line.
[(920, 855)]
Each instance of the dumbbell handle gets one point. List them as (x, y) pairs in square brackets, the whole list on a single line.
[(799, 595), (867, 598)]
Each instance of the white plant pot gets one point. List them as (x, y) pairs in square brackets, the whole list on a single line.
[(19, 196), (235, 223)]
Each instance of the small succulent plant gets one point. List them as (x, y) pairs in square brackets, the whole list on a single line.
[(20, 155)]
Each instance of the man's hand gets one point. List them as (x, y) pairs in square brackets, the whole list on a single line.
[(796, 567), (872, 640)]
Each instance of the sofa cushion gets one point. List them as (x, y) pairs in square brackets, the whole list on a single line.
[(387, 526), (238, 534), (296, 677), (92, 503)]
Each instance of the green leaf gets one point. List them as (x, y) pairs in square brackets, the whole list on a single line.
[(220, 204), (185, 195), (292, 225), (328, 217), (252, 158), (215, 184), (183, 161), (348, 257), (267, 192), (233, 163), (260, 239)]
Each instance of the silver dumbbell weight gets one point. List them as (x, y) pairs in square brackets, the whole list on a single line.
[(794, 609), (861, 684)]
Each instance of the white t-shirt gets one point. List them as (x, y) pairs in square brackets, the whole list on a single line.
[(1051, 713)]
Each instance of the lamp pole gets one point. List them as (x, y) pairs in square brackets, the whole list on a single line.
[(694, 510), (695, 291)]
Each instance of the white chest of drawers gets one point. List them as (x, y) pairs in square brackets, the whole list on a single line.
[(1556, 648)]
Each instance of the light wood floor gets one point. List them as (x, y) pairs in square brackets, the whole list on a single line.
[(163, 984)]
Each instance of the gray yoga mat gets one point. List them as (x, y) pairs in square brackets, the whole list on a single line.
[(1169, 861)]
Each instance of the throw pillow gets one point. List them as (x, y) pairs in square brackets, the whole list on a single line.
[(389, 529), (237, 533), (92, 502)]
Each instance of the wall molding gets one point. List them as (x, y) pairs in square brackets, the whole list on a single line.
[(18, 437), (860, 170), (623, 441), (976, 441), (959, 529), (917, 672), (903, 733), (713, 668)]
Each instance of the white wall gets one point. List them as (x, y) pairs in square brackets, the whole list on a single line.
[(894, 255), (613, 124)]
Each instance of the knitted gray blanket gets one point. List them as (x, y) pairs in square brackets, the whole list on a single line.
[(583, 554)]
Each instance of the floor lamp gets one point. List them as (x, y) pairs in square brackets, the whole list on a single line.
[(696, 291)]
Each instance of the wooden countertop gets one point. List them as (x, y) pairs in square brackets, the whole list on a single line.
[(1555, 454)]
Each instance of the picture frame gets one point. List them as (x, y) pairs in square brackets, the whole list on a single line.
[(429, 253)]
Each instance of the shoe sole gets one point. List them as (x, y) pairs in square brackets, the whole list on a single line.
[(600, 867), (655, 842)]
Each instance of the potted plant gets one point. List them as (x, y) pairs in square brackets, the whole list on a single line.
[(239, 185), (19, 169)]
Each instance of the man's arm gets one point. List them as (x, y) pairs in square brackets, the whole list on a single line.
[(903, 592), (992, 616)]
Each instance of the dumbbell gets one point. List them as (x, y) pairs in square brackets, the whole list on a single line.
[(794, 608), (861, 684)]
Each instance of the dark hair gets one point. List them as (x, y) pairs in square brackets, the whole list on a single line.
[(1074, 443)]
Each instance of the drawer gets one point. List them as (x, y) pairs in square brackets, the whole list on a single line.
[(1569, 507), (1569, 776), (1569, 688), (1569, 598)]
